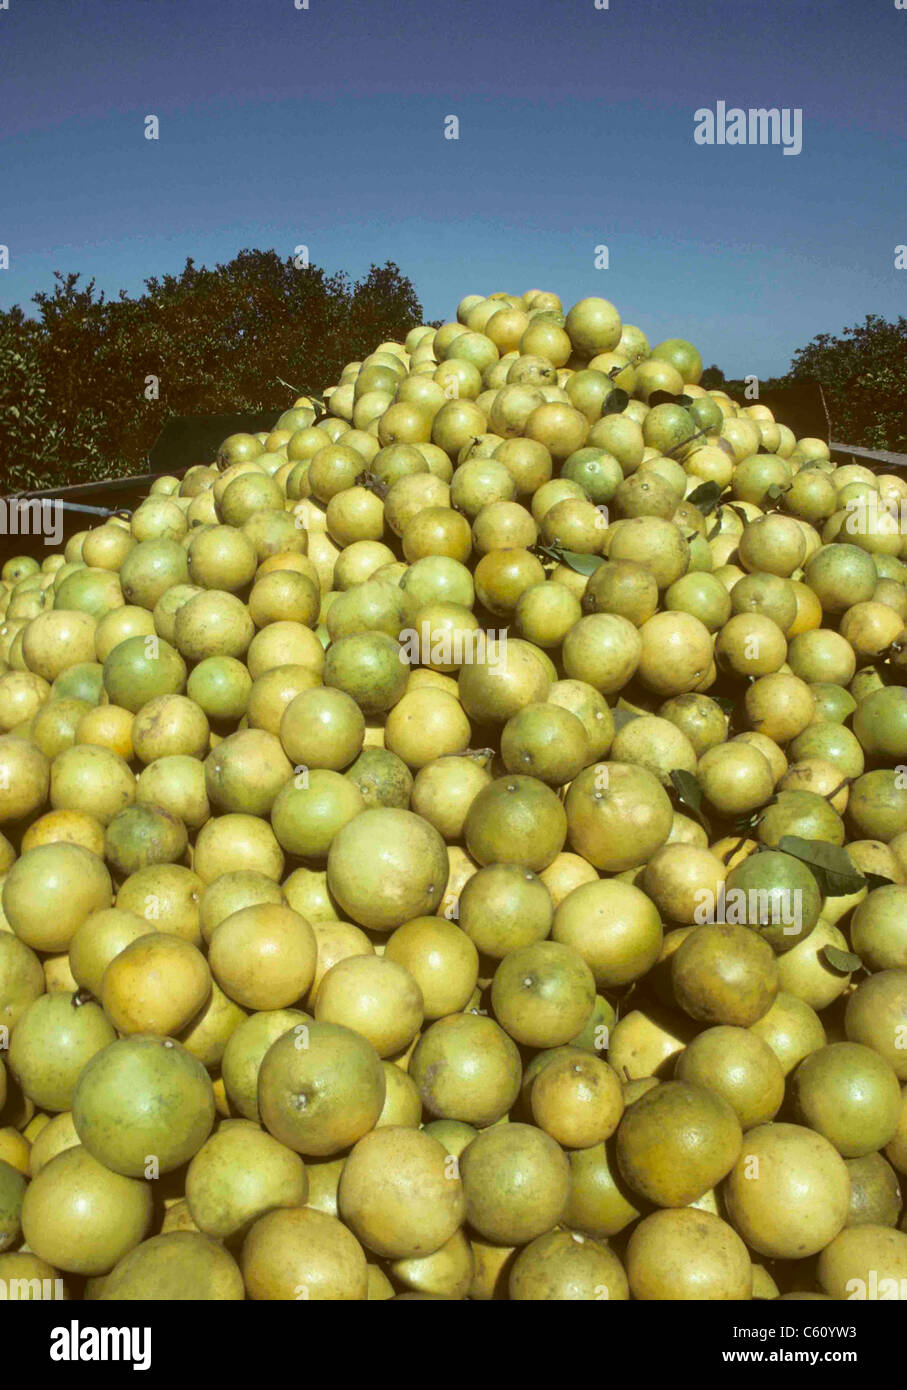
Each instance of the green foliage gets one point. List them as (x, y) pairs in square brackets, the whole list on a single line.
[(85, 389), (34, 440), (712, 379), (863, 378), (862, 374)]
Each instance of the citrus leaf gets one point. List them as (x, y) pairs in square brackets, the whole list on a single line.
[(684, 400), (844, 961), (622, 717), (724, 704), (550, 555), (874, 881), (582, 564), (749, 822), (688, 789), (689, 794), (616, 403), (705, 497), (831, 865)]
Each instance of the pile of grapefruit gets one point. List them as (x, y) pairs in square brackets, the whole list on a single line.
[(455, 847)]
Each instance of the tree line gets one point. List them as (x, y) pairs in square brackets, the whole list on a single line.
[(87, 382), (863, 373)]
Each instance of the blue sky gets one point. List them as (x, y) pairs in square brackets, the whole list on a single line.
[(325, 127)]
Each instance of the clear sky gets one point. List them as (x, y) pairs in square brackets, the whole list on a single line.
[(325, 126)]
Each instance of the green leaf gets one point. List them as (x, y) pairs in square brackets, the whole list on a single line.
[(616, 403), (747, 823), (724, 704), (688, 789), (843, 961), (874, 881), (622, 717), (831, 865), (582, 564), (705, 497), (689, 794)]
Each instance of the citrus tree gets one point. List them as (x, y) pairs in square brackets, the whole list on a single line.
[(862, 374), (87, 386)]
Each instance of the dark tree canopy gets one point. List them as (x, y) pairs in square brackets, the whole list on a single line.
[(86, 386), (712, 379), (863, 374), (864, 377)]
